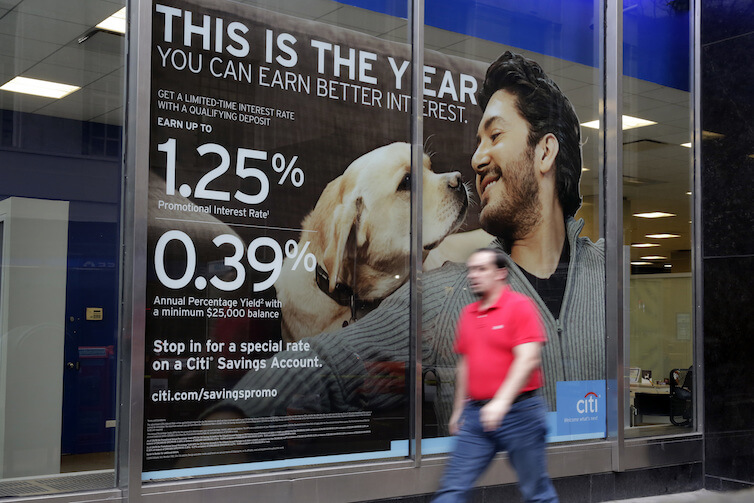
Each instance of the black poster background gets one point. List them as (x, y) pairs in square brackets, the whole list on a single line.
[(325, 134)]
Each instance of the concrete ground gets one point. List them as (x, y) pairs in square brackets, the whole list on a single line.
[(701, 496)]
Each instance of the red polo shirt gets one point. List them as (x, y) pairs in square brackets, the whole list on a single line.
[(487, 338)]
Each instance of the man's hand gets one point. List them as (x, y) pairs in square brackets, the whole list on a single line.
[(455, 421), (491, 415)]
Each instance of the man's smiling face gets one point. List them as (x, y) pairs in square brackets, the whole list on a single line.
[(504, 164)]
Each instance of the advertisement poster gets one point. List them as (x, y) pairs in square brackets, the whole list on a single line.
[(255, 117)]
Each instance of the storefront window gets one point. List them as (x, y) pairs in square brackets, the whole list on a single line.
[(277, 329), (657, 185), (280, 271), (61, 127), (547, 58)]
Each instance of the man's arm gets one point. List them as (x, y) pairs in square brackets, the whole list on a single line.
[(526, 358), (460, 395)]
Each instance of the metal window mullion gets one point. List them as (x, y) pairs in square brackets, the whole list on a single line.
[(615, 274), (696, 226), (135, 191), (416, 21)]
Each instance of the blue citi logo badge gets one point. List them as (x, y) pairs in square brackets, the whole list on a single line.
[(580, 409), (588, 404)]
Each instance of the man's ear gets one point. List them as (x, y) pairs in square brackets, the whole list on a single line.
[(545, 153), (503, 273)]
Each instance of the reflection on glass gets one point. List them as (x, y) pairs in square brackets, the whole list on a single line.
[(657, 168), (60, 205)]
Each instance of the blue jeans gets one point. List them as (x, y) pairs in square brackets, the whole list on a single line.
[(522, 434)]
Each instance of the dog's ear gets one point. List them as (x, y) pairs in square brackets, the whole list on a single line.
[(344, 221), (361, 230)]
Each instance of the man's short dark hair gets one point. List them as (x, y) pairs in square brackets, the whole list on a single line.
[(547, 110), (500, 261)]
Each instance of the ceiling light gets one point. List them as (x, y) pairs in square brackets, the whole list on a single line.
[(654, 257), (632, 180), (641, 263), (654, 214), (662, 236), (643, 245), (668, 266), (687, 145), (688, 192), (634, 122), (115, 23), (711, 135), (38, 87), (584, 168), (628, 123)]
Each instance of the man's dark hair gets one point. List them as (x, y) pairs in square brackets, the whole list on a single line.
[(499, 256), (547, 110)]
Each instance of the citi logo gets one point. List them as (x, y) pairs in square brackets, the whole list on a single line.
[(588, 404)]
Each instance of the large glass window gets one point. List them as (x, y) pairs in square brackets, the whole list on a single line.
[(61, 120), (280, 187), (281, 180), (657, 185), (545, 62)]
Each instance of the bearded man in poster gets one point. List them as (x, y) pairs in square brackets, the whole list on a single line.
[(528, 166)]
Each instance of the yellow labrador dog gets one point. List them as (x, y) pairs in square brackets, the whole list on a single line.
[(359, 232)]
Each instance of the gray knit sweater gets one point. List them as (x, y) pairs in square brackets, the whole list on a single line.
[(575, 348)]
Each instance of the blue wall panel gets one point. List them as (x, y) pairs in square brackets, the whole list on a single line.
[(565, 29)]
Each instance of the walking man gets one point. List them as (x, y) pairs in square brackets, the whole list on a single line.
[(499, 342)]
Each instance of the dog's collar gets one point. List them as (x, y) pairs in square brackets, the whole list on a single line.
[(343, 295)]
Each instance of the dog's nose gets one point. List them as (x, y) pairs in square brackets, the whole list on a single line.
[(455, 181)]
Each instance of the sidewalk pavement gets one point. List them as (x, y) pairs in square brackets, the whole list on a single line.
[(701, 496)]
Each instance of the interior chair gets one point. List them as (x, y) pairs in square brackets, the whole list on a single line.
[(681, 405)]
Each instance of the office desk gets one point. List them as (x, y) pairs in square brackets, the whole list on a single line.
[(650, 400), (660, 389)]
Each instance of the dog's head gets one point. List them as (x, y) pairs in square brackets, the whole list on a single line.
[(362, 219)]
